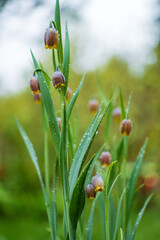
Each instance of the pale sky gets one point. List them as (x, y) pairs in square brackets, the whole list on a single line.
[(107, 27)]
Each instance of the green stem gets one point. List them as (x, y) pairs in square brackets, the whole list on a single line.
[(46, 160), (50, 222), (53, 60), (40, 69), (124, 182), (52, 23), (64, 170), (107, 213)]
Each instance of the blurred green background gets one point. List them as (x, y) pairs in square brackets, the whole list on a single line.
[(22, 210)]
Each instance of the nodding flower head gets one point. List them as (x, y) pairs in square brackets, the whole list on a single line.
[(59, 123), (116, 113), (98, 183), (105, 159), (58, 79), (51, 38), (93, 106), (125, 127), (34, 85), (90, 191), (37, 97), (68, 93)]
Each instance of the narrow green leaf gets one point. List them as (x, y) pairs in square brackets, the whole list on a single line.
[(66, 59), (131, 185), (54, 206), (90, 220), (119, 150), (101, 203), (107, 124), (92, 165), (73, 100), (49, 106), (101, 91), (84, 147), (122, 105), (108, 173), (63, 153), (33, 156), (110, 189), (58, 25), (121, 234), (128, 107), (140, 216), (70, 140), (78, 197), (118, 213), (111, 214)]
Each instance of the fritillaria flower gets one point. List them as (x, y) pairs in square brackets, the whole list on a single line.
[(37, 97), (93, 106), (98, 183), (125, 127), (51, 38), (90, 191), (105, 158), (116, 113), (34, 85), (58, 79)]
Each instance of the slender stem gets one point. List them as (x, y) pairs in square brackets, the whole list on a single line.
[(53, 60), (124, 183), (40, 69), (107, 212), (46, 160), (64, 171), (50, 222), (52, 23)]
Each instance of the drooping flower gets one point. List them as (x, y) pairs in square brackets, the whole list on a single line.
[(59, 123), (37, 97), (125, 127), (51, 38), (116, 113), (90, 191), (98, 183), (58, 79), (105, 158), (93, 106), (68, 93), (34, 85)]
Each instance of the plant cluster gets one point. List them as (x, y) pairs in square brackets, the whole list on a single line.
[(109, 188)]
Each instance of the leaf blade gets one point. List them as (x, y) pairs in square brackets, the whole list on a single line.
[(140, 216), (66, 59), (49, 106), (131, 185), (74, 98), (84, 147), (78, 197)]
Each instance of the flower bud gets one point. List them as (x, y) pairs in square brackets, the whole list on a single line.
[(98, 183), (116, 113), (68, 93), (105, 159), (34, 85), (58, 79), (59, 123), (93, 106), (126, 127), (51, 38), (90, 191), (37, 97)]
